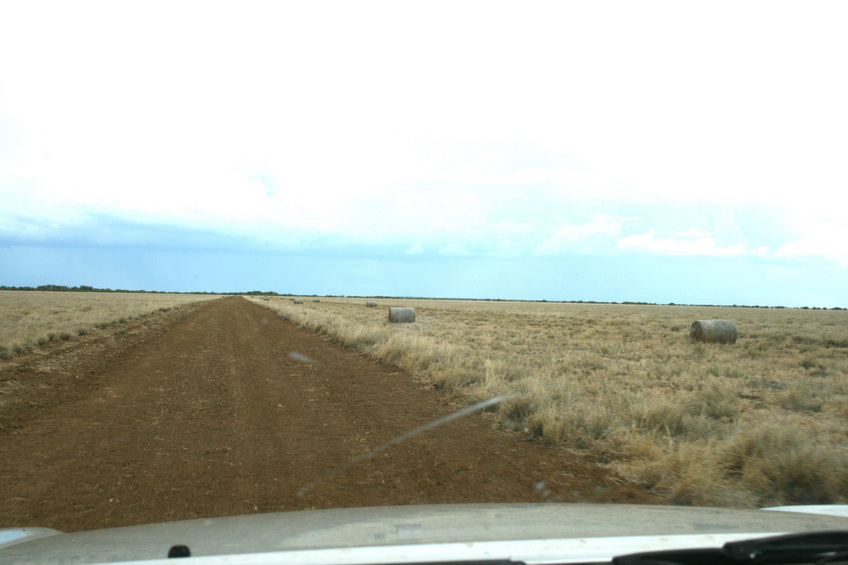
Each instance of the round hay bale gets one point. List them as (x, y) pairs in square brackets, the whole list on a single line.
[(713, 331), (401, 315), (297, 301), (371, 304)]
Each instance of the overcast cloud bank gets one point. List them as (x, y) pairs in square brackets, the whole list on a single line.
[(462, 149)]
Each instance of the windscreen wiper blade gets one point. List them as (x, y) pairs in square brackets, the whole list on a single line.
[(813, 548), (816, 547)]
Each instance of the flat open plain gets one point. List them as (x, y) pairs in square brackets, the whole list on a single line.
[(203, 411)]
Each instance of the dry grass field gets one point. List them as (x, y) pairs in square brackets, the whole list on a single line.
[(30, 318), (760, 422)]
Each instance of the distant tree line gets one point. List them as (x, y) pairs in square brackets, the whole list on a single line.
[(63, 288), (86, 288)]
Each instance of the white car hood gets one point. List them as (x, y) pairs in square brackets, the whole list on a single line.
[(533, 533)]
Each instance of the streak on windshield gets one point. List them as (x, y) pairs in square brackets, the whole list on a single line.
[(412, 433)]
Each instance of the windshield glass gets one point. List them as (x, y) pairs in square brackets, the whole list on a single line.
[(262, 257)]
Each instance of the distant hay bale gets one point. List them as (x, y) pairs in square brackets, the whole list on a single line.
[(401, 315), (371, 304), (297, 300), (713, 331)]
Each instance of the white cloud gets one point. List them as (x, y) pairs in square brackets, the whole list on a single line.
[(701, 243), (415, 249), (761, 251), (293, 128), (823, 242), (596, 235)]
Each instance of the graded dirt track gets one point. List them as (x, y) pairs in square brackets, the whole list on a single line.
[(211, 415)]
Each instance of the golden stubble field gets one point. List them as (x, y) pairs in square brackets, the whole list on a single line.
[(29, 318), (760, 422)]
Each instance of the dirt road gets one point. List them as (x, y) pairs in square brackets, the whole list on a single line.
[(212, 415)]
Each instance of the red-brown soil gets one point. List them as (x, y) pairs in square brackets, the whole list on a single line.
[(203, 411)]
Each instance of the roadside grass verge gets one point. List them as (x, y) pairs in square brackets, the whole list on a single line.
[(30, 318), (758, 423)]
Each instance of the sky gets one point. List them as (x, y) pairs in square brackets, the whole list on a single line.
[(686, 152)]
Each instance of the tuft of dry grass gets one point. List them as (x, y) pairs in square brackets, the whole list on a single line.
[(755, 423), (29, 318)]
